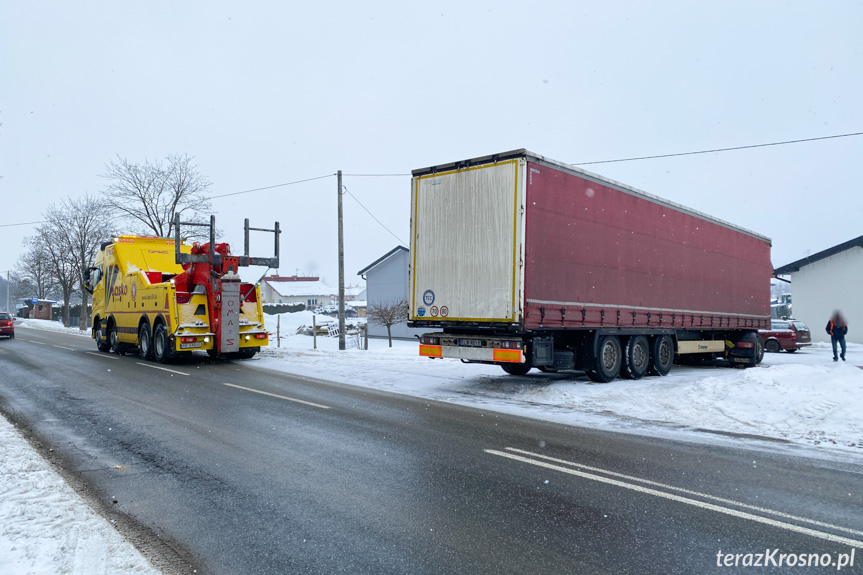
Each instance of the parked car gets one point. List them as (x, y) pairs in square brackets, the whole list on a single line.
[(789, 335), (7, 325)]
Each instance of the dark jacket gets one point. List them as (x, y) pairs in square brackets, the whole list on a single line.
[(837, 329)]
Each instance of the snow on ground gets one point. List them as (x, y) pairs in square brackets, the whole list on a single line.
[(46, 528), (804, 399)]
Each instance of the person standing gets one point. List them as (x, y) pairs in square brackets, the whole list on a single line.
[(837, 327)]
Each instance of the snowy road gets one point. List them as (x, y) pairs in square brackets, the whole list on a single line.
[(273, 473)]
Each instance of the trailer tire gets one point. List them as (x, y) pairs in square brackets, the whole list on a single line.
[(516, 368), (160, 344), (145, 342), (772, 346), (636, 357), (609, 358), (662, 355)]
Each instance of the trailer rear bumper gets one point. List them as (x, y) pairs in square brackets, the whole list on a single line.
[(471, 347)]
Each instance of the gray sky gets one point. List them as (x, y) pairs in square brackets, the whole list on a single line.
[(264, 93)]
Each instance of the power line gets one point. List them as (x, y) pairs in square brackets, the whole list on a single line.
[(372, 215), (720, 149), (377, 175), (274, 186), (21, 224)]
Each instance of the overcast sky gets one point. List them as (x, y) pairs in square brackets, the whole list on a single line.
[(265, 93)]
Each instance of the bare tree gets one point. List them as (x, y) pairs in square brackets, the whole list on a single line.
[(34, 270), (80, 226), (388, 313), (150, 194), (61, 264)]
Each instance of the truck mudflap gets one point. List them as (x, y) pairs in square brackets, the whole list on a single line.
[(467, 347)]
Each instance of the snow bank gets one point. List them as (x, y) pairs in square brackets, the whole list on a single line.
[(46, 528)]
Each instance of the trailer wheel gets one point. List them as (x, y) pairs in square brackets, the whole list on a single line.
[(160, 344), (608, 360), (636, 357), (772, 346), (516, 368), (662, 355), (145, 342)]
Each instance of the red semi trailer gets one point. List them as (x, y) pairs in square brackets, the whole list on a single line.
[(526, 262)]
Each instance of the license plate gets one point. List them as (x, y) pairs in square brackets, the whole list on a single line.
[(190, 345), (742, 360), (470, 342)]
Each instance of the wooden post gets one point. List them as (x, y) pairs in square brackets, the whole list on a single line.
[(314, 332), (279, 330)]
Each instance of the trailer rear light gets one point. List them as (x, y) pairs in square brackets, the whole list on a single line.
[(260, 336), (206, 340), (188, 339), (510, 344), (430, 340), (745, 344)]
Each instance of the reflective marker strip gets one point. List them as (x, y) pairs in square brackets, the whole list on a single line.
[(431, 350), (511, 355)]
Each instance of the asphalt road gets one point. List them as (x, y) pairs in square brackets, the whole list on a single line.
[(230, 469)]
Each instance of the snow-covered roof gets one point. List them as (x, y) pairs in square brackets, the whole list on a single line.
[(301, 288), (795, 266), (382, 259)]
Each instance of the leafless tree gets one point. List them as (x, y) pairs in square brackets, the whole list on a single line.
[(34, 271), (149, 194), (388, 313), (61, 263), (80, 226)]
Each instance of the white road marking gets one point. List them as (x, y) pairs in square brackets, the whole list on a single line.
[(679, 499), (36, 342), (101, 355), (279, 396), (162, 368), (689, 492), (63, 347)]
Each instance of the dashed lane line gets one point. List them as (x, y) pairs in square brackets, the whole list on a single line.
[(102, 355), (162, 368), (285, 397), (64, 347), (686, 500)]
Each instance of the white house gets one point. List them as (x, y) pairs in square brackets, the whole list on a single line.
[(310, 291), (825, 282)]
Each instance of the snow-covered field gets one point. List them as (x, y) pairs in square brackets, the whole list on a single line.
[(803, 401)]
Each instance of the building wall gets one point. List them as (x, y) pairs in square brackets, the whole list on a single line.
[(388, 282), (824, 286)]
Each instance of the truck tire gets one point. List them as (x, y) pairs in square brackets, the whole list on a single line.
[(113, 341), (102, 343), (772, 346), (609, 358), (516, 368), (636, 357), (661, 355), (160, 344), (145, 342)]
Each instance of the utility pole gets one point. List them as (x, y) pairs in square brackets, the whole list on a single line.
[(7, 290), (341, 270)]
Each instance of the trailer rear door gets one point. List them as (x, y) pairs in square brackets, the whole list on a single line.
[(466, 231)]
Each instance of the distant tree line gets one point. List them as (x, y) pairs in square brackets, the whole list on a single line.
[(137, 199)]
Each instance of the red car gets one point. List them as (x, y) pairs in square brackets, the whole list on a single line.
[(790, 335), (7, 327)]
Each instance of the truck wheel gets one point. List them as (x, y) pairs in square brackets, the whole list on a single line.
[(160, 344), (102, 343), (608, 361), (516, 368), (772, 346), (113, 341), (636, 357), (662, 355), (145, 342)]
